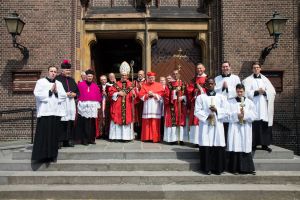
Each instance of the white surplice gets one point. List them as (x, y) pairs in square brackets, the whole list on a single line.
[(231, 81), (49, 105), (264, 105), (120, 132), (240, 133), (152, 107), (211, 135)]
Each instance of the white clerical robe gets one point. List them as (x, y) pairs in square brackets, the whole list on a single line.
[(49, 105), (231, 81), (70, 110), (211, 135), (120, 132), (264, 105), (152, 107), (240, 133)]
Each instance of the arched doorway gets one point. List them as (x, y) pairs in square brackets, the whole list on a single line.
[(168, 53), (108, 54)]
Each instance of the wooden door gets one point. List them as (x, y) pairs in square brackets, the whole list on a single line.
[(166, 56)]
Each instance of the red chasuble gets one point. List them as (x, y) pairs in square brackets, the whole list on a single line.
[(175, 112), (121, 110), (152, 112), (194, 90)]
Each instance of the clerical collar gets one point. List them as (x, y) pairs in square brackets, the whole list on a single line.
[(211, 93), (50, 80), (224, 75), (88, 83), (256, 75), (238, 99)]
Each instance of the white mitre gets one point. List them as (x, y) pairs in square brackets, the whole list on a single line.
[(124, 68)]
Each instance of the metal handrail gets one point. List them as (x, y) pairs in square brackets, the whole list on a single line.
[(20, 110)]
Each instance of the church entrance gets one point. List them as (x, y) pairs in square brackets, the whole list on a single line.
[(108, 54), (170, 53)]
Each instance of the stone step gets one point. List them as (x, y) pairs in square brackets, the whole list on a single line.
[(138, 165), (144, 178), (165, 152), (170, 191)]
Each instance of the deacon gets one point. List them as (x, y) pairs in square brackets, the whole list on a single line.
[(175, 110), (151, 94), (211, 110), (225, 85), (261, 91), (50, 107), (138, 107), (88, 105), (67, 122), (122, 101), (239, 142), (194, 89)]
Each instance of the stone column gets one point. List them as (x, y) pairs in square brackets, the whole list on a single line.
[(202, 40), (146, 44), (89, 39)]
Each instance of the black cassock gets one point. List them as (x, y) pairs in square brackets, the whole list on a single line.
[(66, 132)]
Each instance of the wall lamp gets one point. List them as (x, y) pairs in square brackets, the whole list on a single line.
[(15, 27), (275, 27)]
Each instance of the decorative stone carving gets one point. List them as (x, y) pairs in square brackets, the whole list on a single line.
[(84, 3)]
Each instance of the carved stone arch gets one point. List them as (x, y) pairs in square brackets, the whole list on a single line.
[(202, 40), (89, 40)]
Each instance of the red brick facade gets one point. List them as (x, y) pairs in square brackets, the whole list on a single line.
[(237, 33)]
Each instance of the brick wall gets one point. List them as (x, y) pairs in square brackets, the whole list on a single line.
[(238, 34), (244, 35), (49, 36)]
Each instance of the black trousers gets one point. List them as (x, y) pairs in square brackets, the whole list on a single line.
[(212, 159), (85, 130)]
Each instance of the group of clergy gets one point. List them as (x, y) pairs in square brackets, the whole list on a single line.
[(219, 115)]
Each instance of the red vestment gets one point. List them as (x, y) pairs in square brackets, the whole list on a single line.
[(121, 109), (175, 112), (193, 90), (152, 111)]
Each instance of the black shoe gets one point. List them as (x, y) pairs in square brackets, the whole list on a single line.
[(253, 173), (85, 144), (92, 142), (266, 148), (181, 143)]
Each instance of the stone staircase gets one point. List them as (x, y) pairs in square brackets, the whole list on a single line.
[(144, 171)]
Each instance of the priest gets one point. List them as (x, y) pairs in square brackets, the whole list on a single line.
[(225, 85), (66, 136), (50, 107), (151, 95), (261, 91), (122, 96), (88, 105), (194, 89), (211, 109), (175, 110), (239, 142)]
